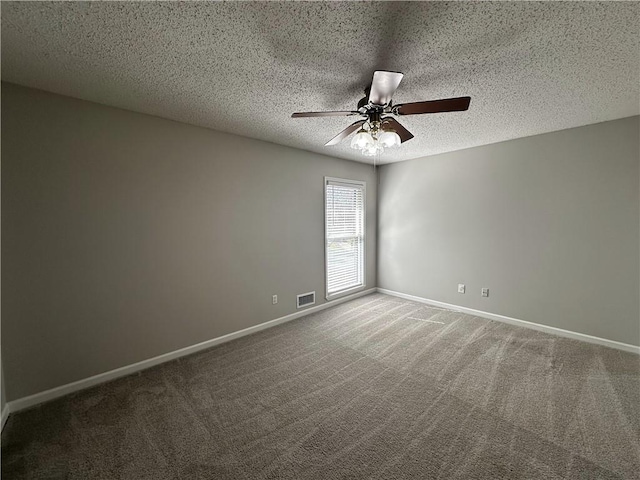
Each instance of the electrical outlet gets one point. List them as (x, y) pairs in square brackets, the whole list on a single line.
[(461, 288), (484, 292), (274, 299)]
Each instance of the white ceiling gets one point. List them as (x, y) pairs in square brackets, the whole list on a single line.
[(245, 67)]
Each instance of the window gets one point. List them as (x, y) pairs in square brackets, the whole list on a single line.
[(344, 235)]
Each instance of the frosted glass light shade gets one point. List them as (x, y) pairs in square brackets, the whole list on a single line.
[(389, 138), (371, 150), (361, 140)]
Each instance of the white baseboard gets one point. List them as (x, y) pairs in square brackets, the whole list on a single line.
[(521, 323), (47, 395), (5, 416)]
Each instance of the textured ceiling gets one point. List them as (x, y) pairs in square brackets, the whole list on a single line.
[(245, 67)]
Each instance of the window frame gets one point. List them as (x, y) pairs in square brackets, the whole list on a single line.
[(350, 290)]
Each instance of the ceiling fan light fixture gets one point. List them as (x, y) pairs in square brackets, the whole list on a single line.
[(379, 129), (362, 140), (389, 138)]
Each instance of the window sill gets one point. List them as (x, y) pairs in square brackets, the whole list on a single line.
[(343, 293)]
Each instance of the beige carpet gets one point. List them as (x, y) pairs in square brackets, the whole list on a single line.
[(375, 388)]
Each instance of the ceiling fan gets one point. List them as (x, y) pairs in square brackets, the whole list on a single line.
[(378, 129)]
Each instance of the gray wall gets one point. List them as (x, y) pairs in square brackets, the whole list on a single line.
[(126, 236), (549, 223), (3, 399)]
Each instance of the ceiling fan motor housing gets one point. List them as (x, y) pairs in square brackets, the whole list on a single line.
[(374, 117)]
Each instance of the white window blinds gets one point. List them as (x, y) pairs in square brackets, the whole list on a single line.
[(344, 232)]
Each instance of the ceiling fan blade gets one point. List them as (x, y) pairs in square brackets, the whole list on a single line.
[(383, 86), (345, 133), (324, 114), (433, 106), (392, 123)]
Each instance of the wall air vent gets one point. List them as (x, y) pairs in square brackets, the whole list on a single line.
[(305, 299)]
